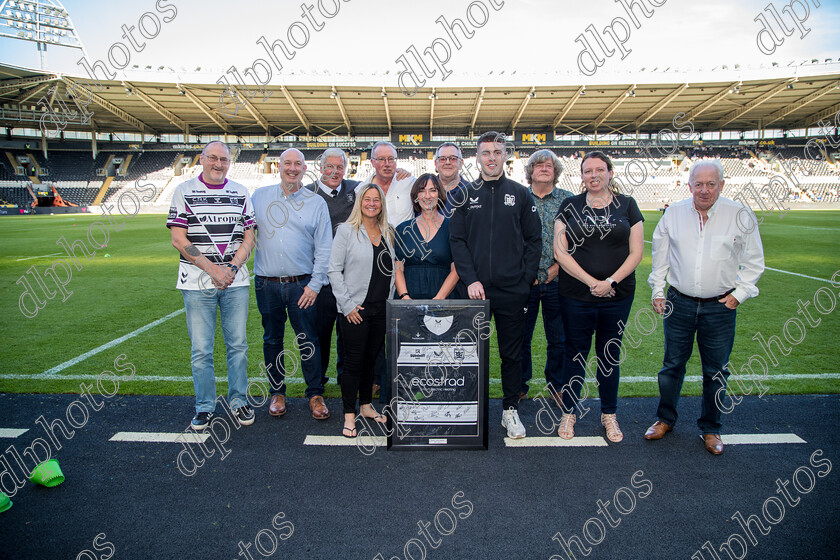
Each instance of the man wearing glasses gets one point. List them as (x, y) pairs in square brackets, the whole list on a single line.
[(211, 222), (448, 162), (712, 266), (397, 191)]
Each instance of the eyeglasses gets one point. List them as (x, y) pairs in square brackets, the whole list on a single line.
[(385, 159), (214, 159), (446, 159)]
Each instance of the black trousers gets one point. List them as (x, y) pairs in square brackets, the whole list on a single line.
[(325, 321), (362, 344), (509, 306)]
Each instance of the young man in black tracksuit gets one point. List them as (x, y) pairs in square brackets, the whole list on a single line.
[(496, 240)]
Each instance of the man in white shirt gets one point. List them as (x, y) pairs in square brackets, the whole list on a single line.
[(712, 265), (383, 156), (398, 205)]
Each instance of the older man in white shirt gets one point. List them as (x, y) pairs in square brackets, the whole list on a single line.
[(711, 264), (397, 191)]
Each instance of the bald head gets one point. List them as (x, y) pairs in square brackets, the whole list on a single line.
[(292, 168)]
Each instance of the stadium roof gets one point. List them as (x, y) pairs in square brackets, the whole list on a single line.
[(177, 107)]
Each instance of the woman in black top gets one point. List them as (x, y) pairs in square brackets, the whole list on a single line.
[(599, 241), (361, 274)]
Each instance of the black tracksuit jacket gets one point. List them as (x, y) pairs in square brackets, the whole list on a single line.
[(496, 235)]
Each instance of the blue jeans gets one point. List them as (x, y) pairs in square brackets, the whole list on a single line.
[(580, 320), (276, 300), (549, 295), (201, 324), (714, 325)]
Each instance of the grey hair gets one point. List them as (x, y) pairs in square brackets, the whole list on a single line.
[(448, 145), (383, 143), (703, 162), (541, 156), (333, 152)]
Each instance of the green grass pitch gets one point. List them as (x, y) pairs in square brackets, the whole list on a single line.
[(131, 283)]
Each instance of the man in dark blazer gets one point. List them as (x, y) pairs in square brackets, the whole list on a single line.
[(340, 195)]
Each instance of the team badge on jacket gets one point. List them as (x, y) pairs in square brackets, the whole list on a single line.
[(510, 200)]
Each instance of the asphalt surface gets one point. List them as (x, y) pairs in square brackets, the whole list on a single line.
[(274, 497)]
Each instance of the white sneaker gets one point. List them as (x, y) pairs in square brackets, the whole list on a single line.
[(511, 422)]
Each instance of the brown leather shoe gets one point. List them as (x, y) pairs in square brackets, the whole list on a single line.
[(277, 407), (319, 408), (658, 430), (713, 444), (557, 398)]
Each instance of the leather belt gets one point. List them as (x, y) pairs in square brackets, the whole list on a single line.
[(703, 300), (284, 279)]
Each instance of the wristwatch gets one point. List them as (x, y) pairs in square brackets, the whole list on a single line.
[(402, 295), (233, 267), (612, 282)]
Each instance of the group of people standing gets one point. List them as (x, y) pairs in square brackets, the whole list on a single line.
[(333, 252)]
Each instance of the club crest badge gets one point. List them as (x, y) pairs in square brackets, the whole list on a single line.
[(438, 325)]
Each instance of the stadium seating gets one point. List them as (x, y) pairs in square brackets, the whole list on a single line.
[(78, 177)]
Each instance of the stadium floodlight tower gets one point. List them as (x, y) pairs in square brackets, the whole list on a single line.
[(43, 22)]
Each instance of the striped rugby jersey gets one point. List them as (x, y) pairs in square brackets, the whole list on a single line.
[(215, 218)]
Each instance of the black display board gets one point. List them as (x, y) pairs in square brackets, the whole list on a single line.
[(439, 371)]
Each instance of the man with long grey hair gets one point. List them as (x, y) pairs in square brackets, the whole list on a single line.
[(542, 172)]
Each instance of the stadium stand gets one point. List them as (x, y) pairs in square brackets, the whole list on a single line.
[(78, 177)]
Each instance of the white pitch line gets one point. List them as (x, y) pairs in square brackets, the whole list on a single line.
[(147, 378), (299, 380), (797, 274), (805, 227), (785, 272), (111, 344), (760, 439), (160, 437), (12, 432), (39, 257), (585, 441), (364, 441)]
